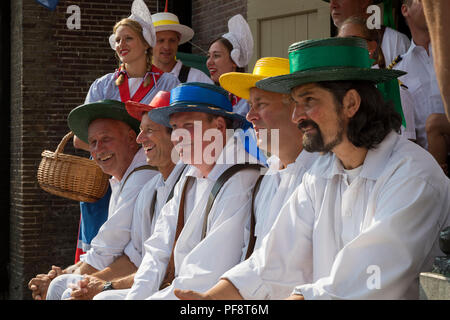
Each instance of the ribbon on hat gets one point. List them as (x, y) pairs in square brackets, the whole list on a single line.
[(391, 92), (198, 95), (324, 56)]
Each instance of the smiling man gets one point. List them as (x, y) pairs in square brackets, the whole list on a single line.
[(276, 134), (118, 276), (365, 220), (182, 252), (169, 35), (111, 135)]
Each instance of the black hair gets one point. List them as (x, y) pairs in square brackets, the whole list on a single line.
[(375, 118), (229, 47)]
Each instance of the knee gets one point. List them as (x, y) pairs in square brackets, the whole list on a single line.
[(59, 285)]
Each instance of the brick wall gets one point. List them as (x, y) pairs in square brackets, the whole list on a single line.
[(210, 19), (52, 68)]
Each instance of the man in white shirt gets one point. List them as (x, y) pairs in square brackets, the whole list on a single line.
[(183, 248), (418, 63), (393, 43), (169, 34), (276, 134), (111, 135), (366, 218), (119, 274)]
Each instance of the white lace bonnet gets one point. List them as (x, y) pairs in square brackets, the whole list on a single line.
[(141, 14), (241, 39)]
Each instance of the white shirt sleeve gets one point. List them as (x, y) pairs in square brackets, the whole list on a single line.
[(158, 249), (384, 260), (141, 225), (285, 256), (115, 233), (221, 248), (394, 44)]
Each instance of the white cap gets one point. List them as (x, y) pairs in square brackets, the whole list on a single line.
[(140, 14), (241, 39)]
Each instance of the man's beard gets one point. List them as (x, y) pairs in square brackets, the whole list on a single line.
[(313, 142)]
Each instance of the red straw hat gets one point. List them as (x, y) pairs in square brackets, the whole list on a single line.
[(136, 109)]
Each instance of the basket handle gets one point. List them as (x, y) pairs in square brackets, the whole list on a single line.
[(63, 142)]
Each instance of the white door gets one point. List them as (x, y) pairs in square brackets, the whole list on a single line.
[(277, 24)]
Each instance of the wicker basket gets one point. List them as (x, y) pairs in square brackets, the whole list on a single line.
[(71, 177)]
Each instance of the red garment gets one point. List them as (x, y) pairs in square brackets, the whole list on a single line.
[(234, 99), (142, 91)]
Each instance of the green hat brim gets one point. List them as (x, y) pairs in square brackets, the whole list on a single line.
[(80, 118), (284, 83)]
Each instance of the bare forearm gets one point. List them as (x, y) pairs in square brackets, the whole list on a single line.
[(224, 290), (80, 144), (123, 283), (80, 268), (122, 267)]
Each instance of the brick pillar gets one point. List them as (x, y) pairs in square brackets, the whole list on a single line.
[(210, 20), (52, 68)]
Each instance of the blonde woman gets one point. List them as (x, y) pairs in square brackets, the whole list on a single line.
[(136, 78)]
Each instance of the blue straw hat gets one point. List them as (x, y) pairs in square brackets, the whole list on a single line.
[(198, 97)]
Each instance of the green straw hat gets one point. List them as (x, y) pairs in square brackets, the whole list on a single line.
[(80, 118), (331, 59)]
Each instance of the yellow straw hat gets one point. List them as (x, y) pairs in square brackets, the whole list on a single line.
[(239, 83), (166, 21)]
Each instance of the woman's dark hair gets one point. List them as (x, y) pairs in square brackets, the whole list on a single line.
[(375, 118), (229, 47)]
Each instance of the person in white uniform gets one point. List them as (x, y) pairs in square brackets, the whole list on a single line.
[(111, 135), (421, 76), (393, 43), (270, 113), (169, 35), (357, 27), (365, 220), (182, 252), (119, 274)]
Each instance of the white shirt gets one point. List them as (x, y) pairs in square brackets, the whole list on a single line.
[(394, 43), (422, 83), (241, 107), (142, 224), (114, 234), (275, 188), (408, 106), (330, 237), (195, 75), (198, 263)]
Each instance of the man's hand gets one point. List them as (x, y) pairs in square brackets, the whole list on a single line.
[(295, 297), (190, 295), (39, 284), (87, 288)]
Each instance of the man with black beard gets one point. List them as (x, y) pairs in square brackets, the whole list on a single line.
[(365, 220)]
